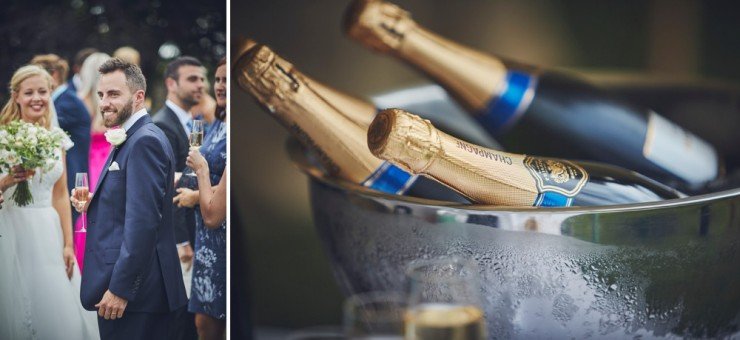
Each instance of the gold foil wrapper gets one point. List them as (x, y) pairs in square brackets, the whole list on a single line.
[(483, 175), (473, 78), (284, 92), (379, 25), (357, 110)]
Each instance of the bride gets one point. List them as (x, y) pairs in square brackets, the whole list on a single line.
[(39, 279)]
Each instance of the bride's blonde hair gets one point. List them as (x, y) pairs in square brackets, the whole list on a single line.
[(12, 110)]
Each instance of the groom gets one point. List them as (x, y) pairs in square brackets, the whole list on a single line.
[(132, 272)]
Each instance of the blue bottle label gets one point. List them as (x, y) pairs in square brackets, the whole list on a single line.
[(390, 179), (558, 181), (505, 109)]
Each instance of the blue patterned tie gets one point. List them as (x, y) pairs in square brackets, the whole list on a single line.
[(189, 125)]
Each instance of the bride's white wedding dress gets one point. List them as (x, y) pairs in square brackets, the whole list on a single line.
[(37, 299)]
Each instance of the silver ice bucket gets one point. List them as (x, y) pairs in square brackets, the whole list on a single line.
[(662, 269)]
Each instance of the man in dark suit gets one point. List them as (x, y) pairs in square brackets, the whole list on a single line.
[(185, 81), (74, 81), (132, 273), (71, 113)]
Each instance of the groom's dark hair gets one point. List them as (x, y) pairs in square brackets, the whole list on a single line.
[(134, 78)]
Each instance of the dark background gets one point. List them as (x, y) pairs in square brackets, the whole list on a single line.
[(284, 275), (196, 28)]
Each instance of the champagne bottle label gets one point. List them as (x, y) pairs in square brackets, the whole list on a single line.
[(557, 180), (390, 179), (679, 151), (504, 110)]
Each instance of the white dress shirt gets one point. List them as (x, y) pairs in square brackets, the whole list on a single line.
[(182, 115)]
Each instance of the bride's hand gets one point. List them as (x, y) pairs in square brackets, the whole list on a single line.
[(22, 174), (69, 260), (14, 178)]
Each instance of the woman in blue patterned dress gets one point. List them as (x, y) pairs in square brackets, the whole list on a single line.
[(208, 289)]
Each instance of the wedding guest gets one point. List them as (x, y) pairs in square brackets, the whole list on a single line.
[(206, 108), (208, 295), (42, 280), (74, 119), (128, 54), (75, 81), (184, 78)]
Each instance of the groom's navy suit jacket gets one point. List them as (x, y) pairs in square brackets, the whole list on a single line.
[(130, 246)]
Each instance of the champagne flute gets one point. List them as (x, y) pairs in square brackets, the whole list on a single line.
[(444, 300), (82, 193), (195, 138), (374, 315)]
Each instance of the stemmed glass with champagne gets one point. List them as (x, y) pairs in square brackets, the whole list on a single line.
[(444, 300), (82, 194), (195, 138)]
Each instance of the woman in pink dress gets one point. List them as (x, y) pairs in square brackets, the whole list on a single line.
[(99, 146)]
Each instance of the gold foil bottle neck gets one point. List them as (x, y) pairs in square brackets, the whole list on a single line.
[(405, 139), (472, 77), (243, 45), (377, 24), (268, 77)]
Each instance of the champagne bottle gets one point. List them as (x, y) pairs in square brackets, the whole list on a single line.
[(569, 116), (495, 177), (339, 142), (355, 109)]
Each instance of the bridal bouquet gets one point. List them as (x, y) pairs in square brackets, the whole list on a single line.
[(30, 146)]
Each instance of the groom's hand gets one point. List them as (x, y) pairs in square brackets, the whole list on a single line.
[(76, 204), (111, 306)]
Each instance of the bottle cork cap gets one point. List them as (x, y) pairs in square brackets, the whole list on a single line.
[(377, 24), (404, 139)]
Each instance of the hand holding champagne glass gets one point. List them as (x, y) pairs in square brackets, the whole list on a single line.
[(444, 301), (196, 134), (196, 138), (81, 195)]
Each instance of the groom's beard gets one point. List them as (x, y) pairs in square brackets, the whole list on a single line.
[(123, 115)]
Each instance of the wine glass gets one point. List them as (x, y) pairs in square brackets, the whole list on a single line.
[(374, 315), (195, 138), (82, 193), (444, 300)]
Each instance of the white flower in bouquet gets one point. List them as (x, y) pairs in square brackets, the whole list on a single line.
[(8, 158), (31, 147)]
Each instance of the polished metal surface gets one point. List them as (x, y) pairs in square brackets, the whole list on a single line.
[(660, 269)]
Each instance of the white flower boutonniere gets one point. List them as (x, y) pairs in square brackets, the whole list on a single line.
[(115, 136)]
